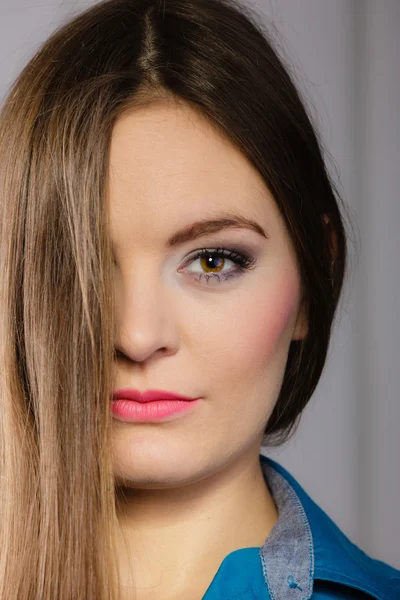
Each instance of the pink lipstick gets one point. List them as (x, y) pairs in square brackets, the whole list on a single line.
[(154, 405)]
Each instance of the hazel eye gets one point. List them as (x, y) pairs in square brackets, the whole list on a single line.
[(207, 261), (207, 258)]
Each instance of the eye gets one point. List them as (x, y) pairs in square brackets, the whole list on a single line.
[(214, 260)]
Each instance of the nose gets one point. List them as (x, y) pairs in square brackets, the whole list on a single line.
[(146, 321)]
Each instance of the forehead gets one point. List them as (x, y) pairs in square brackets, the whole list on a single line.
[(170, 165)]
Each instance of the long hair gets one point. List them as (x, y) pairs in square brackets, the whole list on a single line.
[(57, 327)]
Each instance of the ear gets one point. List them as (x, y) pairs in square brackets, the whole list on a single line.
[(332, 237), (300, 330)]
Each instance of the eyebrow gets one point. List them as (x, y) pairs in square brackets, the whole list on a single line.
[(209, 226)]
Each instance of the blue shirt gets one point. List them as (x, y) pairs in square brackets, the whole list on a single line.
[(305, 556)]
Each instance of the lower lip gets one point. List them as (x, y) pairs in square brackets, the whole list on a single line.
[(132, 411)]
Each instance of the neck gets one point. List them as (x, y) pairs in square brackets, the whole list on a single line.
[(174, 540)]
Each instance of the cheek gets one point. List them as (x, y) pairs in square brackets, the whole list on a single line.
[(274, 314), (258, 327)]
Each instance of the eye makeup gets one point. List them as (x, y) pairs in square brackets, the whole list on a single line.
[(207, 257)]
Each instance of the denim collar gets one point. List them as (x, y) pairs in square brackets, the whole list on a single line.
[(305, 544), (287, 555)]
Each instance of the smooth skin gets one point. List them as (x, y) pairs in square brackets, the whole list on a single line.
[(194, 486)]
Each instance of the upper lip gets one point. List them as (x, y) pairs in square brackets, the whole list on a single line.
[(149, 396)]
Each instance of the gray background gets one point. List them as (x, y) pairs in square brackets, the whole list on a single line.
[(346, 453)]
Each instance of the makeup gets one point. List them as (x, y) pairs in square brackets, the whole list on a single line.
[(157, 410)]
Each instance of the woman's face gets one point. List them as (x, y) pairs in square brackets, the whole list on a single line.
[(195, 326)]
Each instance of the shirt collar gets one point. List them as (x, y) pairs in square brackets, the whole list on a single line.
[(287, 555), (305, 544)]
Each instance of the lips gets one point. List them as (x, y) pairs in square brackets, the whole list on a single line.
[(149, 396)]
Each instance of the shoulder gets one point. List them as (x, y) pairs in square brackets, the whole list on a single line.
[(358, 576), (329, 590)]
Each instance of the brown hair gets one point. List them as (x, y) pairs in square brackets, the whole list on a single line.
[(57, 329)]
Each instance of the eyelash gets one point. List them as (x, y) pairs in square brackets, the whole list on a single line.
[(244, 262)]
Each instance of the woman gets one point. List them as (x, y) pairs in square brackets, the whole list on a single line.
[(167, 222)]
